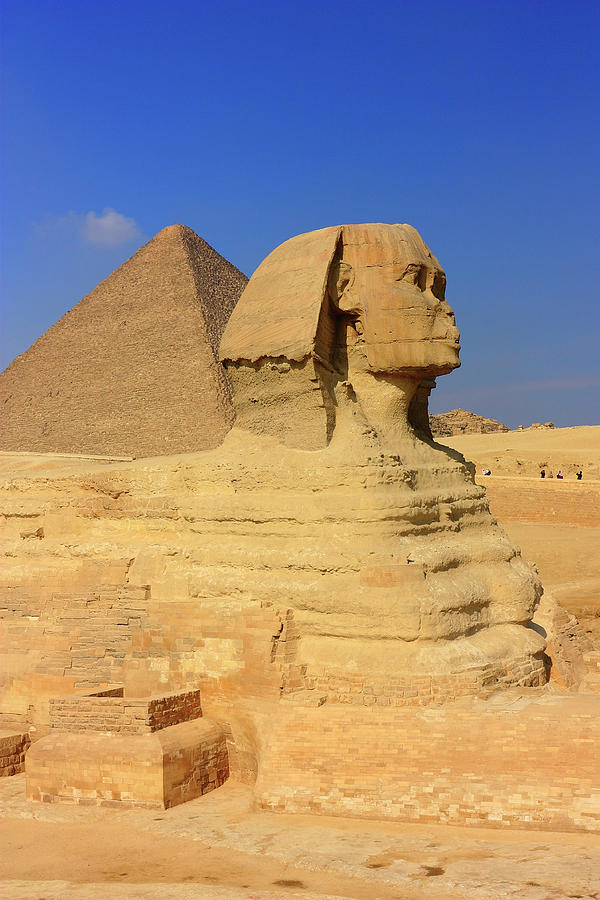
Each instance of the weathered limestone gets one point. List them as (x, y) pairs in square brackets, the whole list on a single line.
[(329, 577), (132, 369), (332, 348), (566, 643)]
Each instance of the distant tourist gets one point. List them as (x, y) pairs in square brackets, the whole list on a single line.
[(550, 475), (543, 473), (486, 471), (579, 475), (559, 474)]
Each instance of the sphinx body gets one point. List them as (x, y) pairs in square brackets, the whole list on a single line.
[(399, 571)]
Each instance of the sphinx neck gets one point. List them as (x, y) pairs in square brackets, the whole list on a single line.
[(385, 401)]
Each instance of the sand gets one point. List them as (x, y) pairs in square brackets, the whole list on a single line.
[(525, 452), (217, 846)]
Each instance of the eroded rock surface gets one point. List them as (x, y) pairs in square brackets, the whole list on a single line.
[(386, 576), (333, 348), (461, 421)]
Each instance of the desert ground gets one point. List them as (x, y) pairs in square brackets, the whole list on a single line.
[(524, 453), (220, 846)]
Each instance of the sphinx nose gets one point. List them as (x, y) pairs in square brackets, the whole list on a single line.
[(448, 311)]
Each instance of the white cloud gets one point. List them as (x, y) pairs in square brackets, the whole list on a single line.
[(108, 228)]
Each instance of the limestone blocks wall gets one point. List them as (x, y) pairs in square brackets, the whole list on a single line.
[(590, 683), (525, 762), (337, 686), (13, 746), (125, 715)]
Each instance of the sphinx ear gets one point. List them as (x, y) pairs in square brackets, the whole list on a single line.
[(340, 287)]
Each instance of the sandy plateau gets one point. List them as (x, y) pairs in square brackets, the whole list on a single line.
[(220, 846)]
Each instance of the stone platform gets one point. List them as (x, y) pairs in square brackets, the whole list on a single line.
[(112, 750)]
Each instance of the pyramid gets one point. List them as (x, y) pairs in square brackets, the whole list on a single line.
[(133, 368)]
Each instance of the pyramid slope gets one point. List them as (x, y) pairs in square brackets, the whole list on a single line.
[(133, 368)]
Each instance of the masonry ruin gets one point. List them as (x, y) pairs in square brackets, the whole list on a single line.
[(323, 596)]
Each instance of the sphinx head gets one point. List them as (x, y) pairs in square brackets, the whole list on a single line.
[(359, 305), (391, 289)]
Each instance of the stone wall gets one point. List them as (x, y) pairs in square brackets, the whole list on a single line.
[(420, 690), (124, 715), (544, 501), (591, 680), (525, 763), (57, 642), (193, 768), (13, 747)]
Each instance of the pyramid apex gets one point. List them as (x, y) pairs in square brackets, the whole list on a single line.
[(173, 230)]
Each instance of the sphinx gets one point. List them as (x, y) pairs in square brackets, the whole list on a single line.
[(332, 352), (328, 548)]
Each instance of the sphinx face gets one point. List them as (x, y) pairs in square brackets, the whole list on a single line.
[(399, 288), (408, 325)]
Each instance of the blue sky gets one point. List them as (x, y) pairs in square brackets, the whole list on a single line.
[(476, 122)]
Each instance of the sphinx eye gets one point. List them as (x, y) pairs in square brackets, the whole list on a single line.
[(415, 274), (438, 285)]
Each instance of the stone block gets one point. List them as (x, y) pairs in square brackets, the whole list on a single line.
[(156, 770), (13, 746)]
